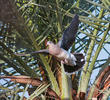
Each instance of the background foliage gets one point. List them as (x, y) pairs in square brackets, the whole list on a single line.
[(25, 26)]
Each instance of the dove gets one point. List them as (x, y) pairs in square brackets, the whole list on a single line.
[(72, 61)]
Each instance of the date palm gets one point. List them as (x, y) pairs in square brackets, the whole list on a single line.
[(25, 26)]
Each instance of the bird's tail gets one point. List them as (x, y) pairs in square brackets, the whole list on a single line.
[(80, 61)]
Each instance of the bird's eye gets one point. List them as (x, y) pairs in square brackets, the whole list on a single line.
[(48, 43)]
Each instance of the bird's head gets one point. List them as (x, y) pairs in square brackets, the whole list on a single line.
[(49, 43)]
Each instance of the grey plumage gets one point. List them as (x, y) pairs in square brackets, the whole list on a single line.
[(69, 34), (62, 55)]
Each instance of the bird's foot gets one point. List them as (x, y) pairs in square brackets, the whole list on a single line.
[(66, 61), (62, 62)]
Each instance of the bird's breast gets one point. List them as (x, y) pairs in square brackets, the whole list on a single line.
[(62, 55), (54, 50)]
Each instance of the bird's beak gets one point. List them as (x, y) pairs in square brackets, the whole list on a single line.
[(47, 44)]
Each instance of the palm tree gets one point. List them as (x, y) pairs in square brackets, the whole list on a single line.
[(26, 25)]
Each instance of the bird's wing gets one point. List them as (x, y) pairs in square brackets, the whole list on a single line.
[(69, 34), (43, 51)]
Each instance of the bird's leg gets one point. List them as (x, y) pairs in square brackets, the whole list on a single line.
[(66, 61), (62, 61)]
